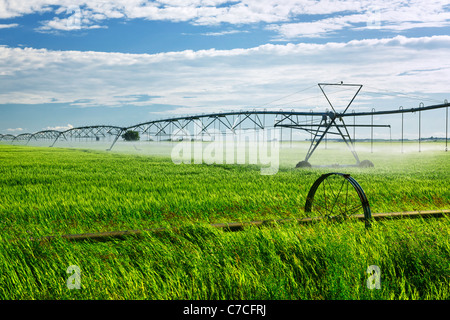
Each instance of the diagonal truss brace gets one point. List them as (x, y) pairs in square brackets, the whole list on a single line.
[(328, 124)]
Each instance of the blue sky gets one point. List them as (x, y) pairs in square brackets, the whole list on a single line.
[(71, 63)]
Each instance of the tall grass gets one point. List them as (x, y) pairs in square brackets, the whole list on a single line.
[(56, 191), (322, 261)]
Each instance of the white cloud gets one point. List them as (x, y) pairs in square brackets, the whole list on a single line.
[(314, 29), (10, 25), (216, 34), (222, 33), (14, 130), (59, 128), (387, 16), (206, 80), (291, 18)]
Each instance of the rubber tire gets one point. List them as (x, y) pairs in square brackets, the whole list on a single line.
[(366, 164), (303, 164)]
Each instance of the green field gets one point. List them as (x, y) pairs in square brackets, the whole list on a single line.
[(55, 191)]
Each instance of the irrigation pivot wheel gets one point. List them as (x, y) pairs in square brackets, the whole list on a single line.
[(337, 196)]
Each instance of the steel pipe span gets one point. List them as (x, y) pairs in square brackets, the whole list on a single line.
[(323, 125), (287, 115)]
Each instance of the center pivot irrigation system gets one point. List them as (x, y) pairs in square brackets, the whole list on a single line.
[(334, 195), (317, 124)]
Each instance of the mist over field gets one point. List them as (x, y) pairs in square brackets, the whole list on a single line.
[(288, 152)]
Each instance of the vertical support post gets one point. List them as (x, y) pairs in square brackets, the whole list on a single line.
[(240, 123), (371, 133), (281, 130), (326, 144), (240, 127), (264, 125), (264, 118), (291, 130), (420, 106), (312, 117), (257, 130), (354, 127), (254, 121), (401, 108), (446, 126)]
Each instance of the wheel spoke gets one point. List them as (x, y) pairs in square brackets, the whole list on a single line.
[(354, 210), (331, 187), (336, 198), (316, 205)]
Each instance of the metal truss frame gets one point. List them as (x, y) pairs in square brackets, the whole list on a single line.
[(318, 124)]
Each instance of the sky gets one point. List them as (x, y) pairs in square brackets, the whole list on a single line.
[(73, 63)]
